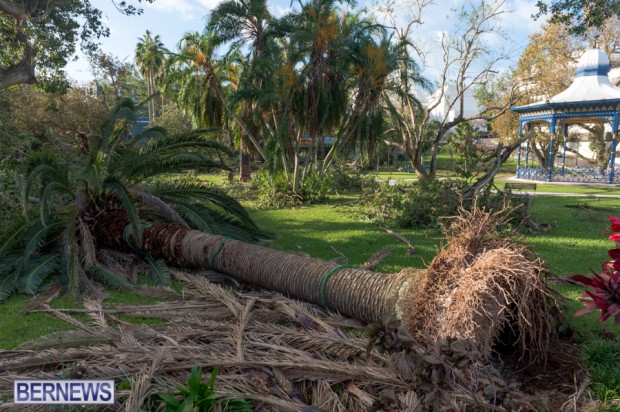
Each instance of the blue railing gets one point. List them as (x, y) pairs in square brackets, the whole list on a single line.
[(576, 174)]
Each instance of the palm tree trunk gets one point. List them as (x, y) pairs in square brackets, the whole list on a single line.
[(342, 289), (220, 94)]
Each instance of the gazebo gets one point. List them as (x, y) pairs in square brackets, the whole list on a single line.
[(591, 98)]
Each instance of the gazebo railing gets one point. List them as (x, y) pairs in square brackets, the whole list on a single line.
[(574, 174)]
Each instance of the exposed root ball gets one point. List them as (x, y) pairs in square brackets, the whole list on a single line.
[(480, 284)]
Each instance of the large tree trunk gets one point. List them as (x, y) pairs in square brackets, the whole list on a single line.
[(344, 291), (21, 72)]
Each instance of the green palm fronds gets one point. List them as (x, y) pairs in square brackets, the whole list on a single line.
[(133, 177)]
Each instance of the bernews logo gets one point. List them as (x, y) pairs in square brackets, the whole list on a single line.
[(57, 392)]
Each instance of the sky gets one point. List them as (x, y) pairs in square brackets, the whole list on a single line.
[(171, 18)]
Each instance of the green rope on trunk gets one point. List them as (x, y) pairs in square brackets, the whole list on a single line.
[(217, 252), (331, 272)]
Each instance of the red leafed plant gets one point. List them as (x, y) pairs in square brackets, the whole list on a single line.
[(603, 290)]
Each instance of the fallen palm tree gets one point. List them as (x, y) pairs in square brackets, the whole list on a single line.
[(478, 287), (429, 351)]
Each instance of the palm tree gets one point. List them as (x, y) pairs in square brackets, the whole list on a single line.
[(480, 284), (187, 85), (150, 59), (196, 54), (374, 61), (245, 23), (90, 211)]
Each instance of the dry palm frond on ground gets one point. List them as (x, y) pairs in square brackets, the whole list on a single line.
[(279, 353)]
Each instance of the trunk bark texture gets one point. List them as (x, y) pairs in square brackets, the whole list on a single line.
[(361, 294)]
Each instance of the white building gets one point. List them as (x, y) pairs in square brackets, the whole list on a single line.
[(443, 109)]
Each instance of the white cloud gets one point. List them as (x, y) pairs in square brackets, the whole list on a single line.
[(184, 9), (521, 16), (278, 11), (208, 4)]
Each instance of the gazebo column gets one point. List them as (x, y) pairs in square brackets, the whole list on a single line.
[(565, 130), (519, 160), (550, 165), (612, 158), (527, 157)]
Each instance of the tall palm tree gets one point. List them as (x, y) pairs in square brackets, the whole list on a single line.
[(373, 61), (245, 23), (150, 59), (196, 54), (190, 88), (107, 200)]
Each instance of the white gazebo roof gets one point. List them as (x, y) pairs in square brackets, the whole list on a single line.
[(591, 83)]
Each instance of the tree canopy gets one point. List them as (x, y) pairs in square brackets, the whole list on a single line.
[(579, 15), (39, 38)]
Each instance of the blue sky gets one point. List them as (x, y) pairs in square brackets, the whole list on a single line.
[(171, 18)]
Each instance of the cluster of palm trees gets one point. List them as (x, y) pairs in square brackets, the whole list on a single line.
[(316, 71)]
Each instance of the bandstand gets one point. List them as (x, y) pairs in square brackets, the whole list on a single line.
[(591, 98)]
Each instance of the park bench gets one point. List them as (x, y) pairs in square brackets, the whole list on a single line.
[(519, 186)]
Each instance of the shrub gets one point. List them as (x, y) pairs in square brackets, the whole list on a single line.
[(201, 396), (346, 179), (383, 203), (424, 203), (603, 292), (276, 191), (428, 201)]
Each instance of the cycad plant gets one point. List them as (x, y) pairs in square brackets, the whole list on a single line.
[(88, 216)]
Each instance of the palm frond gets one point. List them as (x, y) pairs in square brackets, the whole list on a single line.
[(7, 284), (36, 271), (47, 171), (64, 193), (196, 217), (169, 155), (72, 270), (209, 194), (115, 186), (36, 236), (93, 172), (160, 273), (158, 206), (125, 110), (150, 134), (171, 165), (87, 244), (232, 227), (12, 236), (211, 219), (109, 278)]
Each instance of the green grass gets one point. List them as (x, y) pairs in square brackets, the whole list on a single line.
[(559, 188), (216, 178), (603, 359), (326, 232), (575, 245), (17, 327)]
